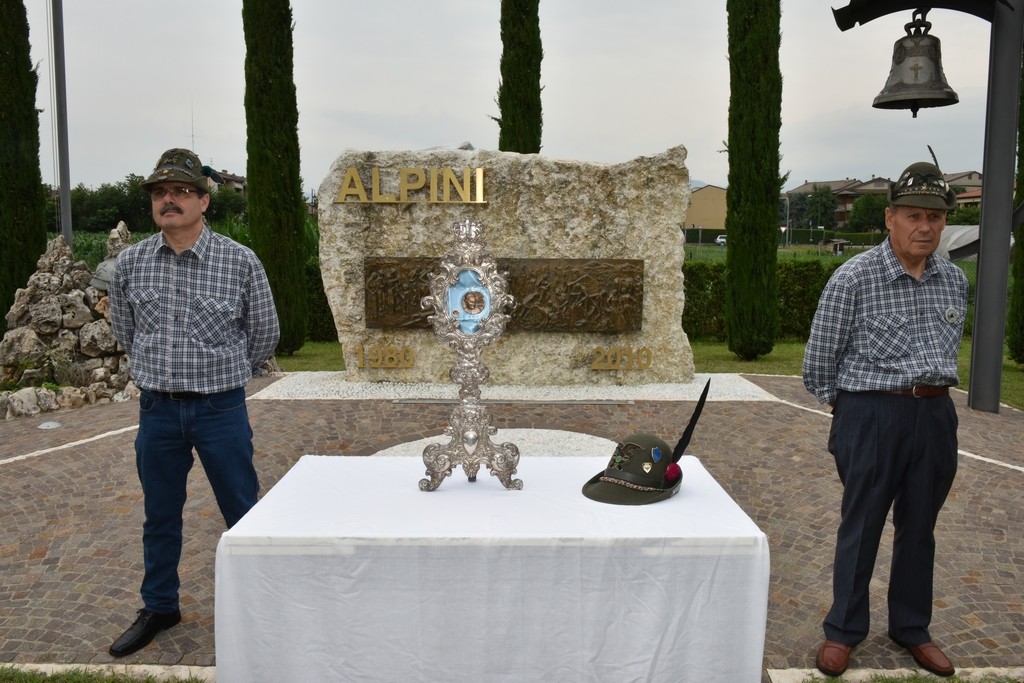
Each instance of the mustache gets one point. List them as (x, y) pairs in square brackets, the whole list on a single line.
[(169, 209)]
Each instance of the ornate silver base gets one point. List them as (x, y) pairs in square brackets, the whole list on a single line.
[(469, 297), (470, 430)]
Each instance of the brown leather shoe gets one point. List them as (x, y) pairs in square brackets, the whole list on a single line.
[(930, 657), (833, 658)]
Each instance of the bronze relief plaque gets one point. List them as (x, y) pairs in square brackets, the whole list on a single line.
[(552, 295)]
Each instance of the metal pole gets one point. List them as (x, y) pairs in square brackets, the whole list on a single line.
[(998, 170), (62, 121)]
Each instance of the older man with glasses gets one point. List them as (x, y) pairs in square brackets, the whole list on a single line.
[(883, 353), (194, 311)]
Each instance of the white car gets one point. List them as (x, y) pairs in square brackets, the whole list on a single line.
[(720, 240)]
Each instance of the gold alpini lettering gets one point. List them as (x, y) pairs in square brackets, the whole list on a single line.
[(450, 181), (415, 186), (479, 198), (434, 174), (352, 184), (379, 198), (406, 182)]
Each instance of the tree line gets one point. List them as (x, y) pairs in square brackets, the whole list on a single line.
[(818, 209), (100, 209)]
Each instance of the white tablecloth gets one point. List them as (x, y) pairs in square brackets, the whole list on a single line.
[(346, 571)]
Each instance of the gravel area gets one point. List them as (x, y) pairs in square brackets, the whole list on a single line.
[(333, 385)]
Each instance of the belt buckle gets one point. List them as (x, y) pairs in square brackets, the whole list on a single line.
[(913, 391)]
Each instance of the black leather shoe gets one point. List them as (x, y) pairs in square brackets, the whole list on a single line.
[(145, 628)]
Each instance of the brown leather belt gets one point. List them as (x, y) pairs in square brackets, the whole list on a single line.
[(180, 395), (920, 391)]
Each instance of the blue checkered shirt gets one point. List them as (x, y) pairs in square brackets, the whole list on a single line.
[(879, 329), (200, 321)]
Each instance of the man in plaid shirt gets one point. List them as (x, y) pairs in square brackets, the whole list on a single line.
[(194, 311), (883, 353)]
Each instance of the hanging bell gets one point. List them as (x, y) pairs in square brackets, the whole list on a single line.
[(916, 79)]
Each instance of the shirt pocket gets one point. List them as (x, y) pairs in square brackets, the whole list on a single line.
[(213, 320), (145, 305), (945, 326), (888, 337)]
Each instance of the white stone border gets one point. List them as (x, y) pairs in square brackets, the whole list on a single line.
[(334, 386)]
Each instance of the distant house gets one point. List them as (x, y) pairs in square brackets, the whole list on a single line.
[(846, 197), (969, 180), (707, 208), (969, 198), (842, 189), (233, 182), (849, 190), (834, 185)]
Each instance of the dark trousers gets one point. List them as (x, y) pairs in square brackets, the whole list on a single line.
[(217, 427), (898, 452)]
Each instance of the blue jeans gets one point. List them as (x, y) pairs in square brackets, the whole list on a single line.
[(217, 426)]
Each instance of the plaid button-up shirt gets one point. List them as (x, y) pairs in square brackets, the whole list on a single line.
[(200, 321), (879, 329)]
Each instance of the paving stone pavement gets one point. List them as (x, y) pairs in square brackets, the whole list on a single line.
[(70, 549)]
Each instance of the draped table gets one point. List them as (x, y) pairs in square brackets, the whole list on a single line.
[(346, 571)]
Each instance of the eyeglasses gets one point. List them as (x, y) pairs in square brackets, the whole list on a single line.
[(176, 192)]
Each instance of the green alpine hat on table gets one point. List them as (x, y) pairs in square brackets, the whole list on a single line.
[(643, 469)]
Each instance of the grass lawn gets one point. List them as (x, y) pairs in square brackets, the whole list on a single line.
[(785, 359), (10, 674), (15, 675), (314, 356)]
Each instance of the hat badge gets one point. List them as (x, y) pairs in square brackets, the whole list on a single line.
[(620, 458)]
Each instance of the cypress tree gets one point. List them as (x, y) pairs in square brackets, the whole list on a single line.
[(277, 210), (520, 121), (1015, 312), (22, 199), (755, 117)]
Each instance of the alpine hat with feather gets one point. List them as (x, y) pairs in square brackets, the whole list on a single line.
[(643, 469)]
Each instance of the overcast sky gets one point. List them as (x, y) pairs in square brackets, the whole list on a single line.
[(620, 80)]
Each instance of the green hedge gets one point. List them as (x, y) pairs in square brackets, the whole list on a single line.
[(800, 285), (703, 314)]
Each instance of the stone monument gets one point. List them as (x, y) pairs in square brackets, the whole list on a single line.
[(593, 254)]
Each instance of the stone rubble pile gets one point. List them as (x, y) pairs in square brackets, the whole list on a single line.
[(60, 351)]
